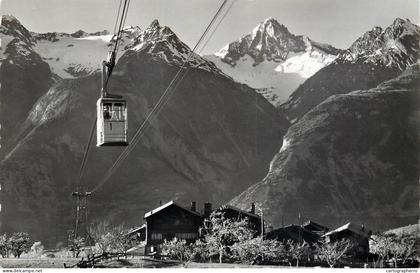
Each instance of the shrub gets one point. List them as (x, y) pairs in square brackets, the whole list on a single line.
[(200, 251), (37, 249), (177, 249)]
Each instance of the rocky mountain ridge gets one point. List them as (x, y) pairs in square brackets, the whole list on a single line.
[(273, 60), (377, 56), (212, 139), (354, 157)]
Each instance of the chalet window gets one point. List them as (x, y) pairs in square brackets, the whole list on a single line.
[(186, 236), (157, 236)]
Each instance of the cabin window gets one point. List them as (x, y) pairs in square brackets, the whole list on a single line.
[(107, 110), (114, 111), (118, 112)]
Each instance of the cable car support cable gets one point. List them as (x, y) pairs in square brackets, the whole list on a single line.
[(157, 106), (117, 34), (164, 98)]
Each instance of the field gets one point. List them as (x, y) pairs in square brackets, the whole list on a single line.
[(130, 262)]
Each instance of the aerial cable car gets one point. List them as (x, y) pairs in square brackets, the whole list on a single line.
[(111, 123)]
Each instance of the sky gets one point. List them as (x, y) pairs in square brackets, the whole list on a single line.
[(337, 22)]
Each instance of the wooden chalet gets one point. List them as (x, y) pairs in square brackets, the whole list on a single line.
[(231, 212), (357, 234), (169, 221), (295, 233)]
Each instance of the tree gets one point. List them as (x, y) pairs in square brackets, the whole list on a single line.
[(121, 241), (19, 242), (4, 246), (200, 251), (76, 245), (381, 246), (259, 251), (101, 233), (403, 249), (224, 233), (297, 251), (333, 252)]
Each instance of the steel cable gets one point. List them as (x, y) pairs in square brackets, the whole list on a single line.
[(164, 98)]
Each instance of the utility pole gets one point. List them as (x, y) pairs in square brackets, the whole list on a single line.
[(262, 224), (300, 230), (81, 211)]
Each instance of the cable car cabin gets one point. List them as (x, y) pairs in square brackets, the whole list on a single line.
[(111, 127)]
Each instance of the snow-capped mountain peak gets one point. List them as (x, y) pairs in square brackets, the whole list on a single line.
[(396, 46), (11, 26), (269, 40), (271, 28), (161, 42), (273, 60), (16, 42)]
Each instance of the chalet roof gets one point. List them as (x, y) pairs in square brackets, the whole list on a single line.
[(294, 232), (358, 229), (313, 226), (164, 206), (137, 229), (250, 214)]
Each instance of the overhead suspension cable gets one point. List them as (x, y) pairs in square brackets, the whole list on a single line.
[(118, 16), (163, 99), (82, 167), (117, 34), (125, 18), (217, 26)]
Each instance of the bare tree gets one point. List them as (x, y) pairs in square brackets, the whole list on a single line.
[(297, 251), (225, 233), (257, 251), (333, 252), (101, 233), (76, 245), (177, 249), (381, 246), (121, 241), (402, 249)]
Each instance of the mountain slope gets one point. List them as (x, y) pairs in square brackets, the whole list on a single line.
[(211, 141), (18, 92), (377, 56), (273, 60), (353, 157)]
